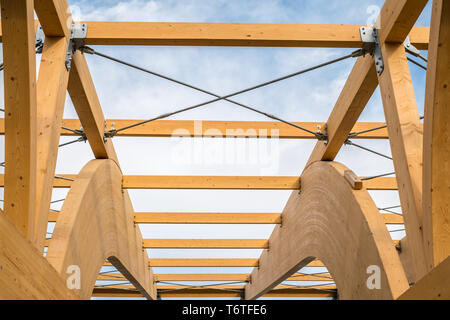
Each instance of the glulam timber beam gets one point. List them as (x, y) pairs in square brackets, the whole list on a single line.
[(213, 277), (54, 17), (85, 100), (229, 34), (218, 182), (340, 226), (211, 263), (406, 140), (25, 273), (397, 18), (167, 288), (217, 218), (204, 243), (51, 89), (211, 293), (20, 112), (238, 129), (436, 155), (434, 286)]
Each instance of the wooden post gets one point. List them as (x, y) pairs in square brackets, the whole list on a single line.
[(436, 156), (20, 116)]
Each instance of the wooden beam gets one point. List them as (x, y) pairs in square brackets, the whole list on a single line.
[(232, 34), (357, 91), (54, 17), (20, 112), (164, 287), (25, 274), (436, 155), (204, 182), (203, 262), (218, 218), (205, 244), (393, 219), (51, 88), (211, 263), (323, 221), (207, 218), (189, 128), (238, 129), (213, 277), (434, 286), (84, 97), (397, 18), (406, 137), (212, 293), (218, 182)]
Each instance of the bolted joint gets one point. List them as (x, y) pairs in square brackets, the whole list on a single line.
[(110, 134), (371, 45), (78, 33)]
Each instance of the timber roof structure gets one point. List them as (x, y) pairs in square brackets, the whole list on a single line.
[(330, 222)]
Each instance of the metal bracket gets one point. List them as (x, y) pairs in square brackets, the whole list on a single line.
[(40, 38), (78, 33), (410, 48), (371, 45)]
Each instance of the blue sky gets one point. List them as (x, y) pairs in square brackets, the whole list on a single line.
[(128, 94)]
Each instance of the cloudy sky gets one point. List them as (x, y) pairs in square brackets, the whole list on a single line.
[(129, 94)]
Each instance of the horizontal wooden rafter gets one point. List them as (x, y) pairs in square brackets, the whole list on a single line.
[(191, 128), (212, 293), (217, 218), (213, 277), (233, 34), (205, 243), (211, 263), (218, 182), (165, 287)]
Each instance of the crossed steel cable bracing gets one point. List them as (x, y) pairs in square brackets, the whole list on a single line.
[(351, 143), (318, 135)]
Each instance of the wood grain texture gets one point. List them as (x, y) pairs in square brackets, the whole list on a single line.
[(339, 226), (85, 100), (434, 286), (95, 224), (232, 34), (217, 218), (436, 155), (24, 273), (397, 18), (213, 277), (20, 112), (218, 182), (54, 17), (406, 140), (240, 129), (205, 244), (51, 88)]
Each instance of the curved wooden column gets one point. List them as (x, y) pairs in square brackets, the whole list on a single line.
[(340, 226), (96, 224)]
